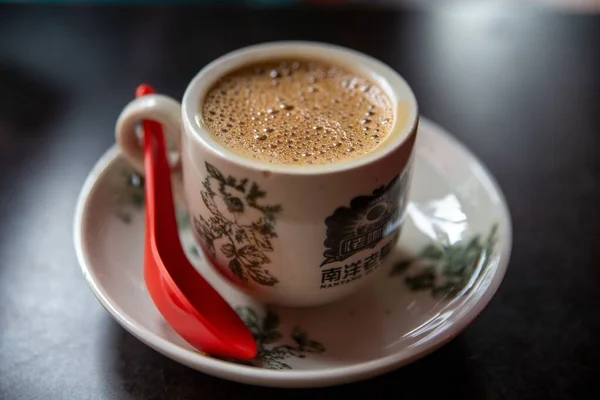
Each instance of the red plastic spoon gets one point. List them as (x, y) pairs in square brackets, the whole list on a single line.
[(184, 298)]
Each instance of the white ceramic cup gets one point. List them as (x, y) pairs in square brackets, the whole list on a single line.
[(287, 235)]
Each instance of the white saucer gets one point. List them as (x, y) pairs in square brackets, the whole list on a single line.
[(445, 271)]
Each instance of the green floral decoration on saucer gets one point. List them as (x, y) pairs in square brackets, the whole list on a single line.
[(446, 270), (130, 195), (267, 334)]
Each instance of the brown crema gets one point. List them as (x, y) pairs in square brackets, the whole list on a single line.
[(297, 112)]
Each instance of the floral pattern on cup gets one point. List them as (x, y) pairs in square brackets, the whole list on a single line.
[(447, 270), (239, 227)]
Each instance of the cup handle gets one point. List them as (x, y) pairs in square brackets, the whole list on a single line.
[(163, 110), (155, 107)]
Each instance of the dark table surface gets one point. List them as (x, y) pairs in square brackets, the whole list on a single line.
[(519, 86)]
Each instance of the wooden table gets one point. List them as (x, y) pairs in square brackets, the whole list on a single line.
[(519, 86)]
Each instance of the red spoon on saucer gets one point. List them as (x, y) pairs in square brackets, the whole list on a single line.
[(184, 298)]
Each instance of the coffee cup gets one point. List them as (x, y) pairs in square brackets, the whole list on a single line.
[(291, 235)]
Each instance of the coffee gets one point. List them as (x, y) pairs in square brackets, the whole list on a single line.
[(297, 112)]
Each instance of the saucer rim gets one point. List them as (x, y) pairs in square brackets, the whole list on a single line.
[(297, 378)]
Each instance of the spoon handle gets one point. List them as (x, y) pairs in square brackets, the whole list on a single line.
[(199, 312)]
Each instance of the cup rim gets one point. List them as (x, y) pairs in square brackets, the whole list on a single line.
[(388, 79)]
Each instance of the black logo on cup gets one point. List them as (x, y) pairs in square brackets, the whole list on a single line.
[(367, 221)]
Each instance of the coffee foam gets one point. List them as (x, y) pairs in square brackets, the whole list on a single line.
[(297, 112)]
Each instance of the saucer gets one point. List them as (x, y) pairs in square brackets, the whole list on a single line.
[(450, 260)]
